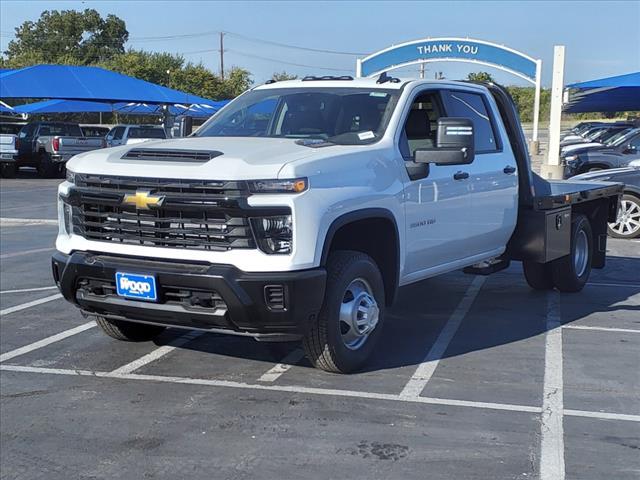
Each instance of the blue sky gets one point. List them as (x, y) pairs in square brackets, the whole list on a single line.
[(601, 38)]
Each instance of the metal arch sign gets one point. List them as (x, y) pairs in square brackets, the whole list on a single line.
[(450, 49)]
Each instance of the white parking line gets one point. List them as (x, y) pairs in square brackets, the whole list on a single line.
[(14, 222), (277, 388), (24, 290), (602, 415), (156, 354), (425, 370), (602, 329), (46, 341), (615, 285), (552, 433), (318, 391), (30, 304), (26, 252), (285, 364)]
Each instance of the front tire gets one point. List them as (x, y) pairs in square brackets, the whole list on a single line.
[(570, 273), (345, 332), (628, 221), (128, 331)]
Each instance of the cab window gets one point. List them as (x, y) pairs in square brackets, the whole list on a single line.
[(473, 106), (421, 125)]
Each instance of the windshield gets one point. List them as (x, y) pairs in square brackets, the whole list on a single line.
[(622, 137), (347, 116), (146, 132)]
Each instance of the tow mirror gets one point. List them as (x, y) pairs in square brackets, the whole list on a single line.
[(454, 146)]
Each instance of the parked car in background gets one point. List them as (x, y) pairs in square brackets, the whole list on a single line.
[(48, 145), (131, 134), (625, 151), (94, 130), (595, 134), (627, 225), (607, 140), (8, 152)]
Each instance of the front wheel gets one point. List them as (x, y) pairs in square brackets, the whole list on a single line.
[(627, 225), (345, 332), (128, 331)]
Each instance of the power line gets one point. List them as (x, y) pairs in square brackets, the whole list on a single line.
[(259, 57), (297, 47)]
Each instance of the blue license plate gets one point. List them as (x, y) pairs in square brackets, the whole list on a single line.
[(136, 286)]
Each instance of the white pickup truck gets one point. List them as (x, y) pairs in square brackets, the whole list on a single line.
[(298, 210)]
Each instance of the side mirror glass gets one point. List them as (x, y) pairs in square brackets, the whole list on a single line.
[(454, 146)]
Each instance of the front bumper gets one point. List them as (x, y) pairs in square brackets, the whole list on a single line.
[(216, 298)]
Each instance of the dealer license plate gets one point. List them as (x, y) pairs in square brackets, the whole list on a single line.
[(136, 286)]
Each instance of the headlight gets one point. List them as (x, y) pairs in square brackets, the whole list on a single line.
[(71, 177), (296, 185), (273, 234), (571, 159), (68, 217)]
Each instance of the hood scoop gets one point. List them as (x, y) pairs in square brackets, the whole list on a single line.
[(171, 155)]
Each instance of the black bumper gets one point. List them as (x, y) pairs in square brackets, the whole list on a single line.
[(218, 298)]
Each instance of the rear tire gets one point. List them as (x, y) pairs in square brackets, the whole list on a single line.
[(128, 331), (46, 167), (570, 273), (345, 332), (538, 275), (8, 170)]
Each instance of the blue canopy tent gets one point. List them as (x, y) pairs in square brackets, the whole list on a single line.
[(613, 94), (87, 83), (78, 106)]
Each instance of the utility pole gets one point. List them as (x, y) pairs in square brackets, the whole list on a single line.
[(222, 55)]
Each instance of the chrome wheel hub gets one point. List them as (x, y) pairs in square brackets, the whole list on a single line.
[(628, 221), (581, 254), (359, 314)]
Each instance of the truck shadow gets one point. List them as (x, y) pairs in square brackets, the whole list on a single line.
[(506, 311)]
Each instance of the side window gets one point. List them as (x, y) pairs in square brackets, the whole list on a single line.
[(26, 131), (473, 107), (635, 144), (118, 133), (421, 125)]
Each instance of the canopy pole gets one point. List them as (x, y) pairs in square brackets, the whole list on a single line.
[(552, 169), (536, 101)]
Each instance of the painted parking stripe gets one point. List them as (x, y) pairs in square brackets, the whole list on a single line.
[(30, 304), (14, 222), (285, 365), (276, 388), (26, 252), (615, 285), (156, 354), (552, 431), (46, 341), (25, 290), (602, 329), (425, 370), (317, 391)]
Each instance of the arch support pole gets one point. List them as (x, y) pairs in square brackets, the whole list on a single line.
[(552, 168)]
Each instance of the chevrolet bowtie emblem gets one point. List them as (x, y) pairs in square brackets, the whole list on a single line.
[(143, 200)]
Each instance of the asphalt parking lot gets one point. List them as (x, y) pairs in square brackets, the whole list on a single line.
[(477, 378)]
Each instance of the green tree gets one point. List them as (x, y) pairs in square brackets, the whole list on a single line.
[(280, 76), (480, 77), (67, 37)]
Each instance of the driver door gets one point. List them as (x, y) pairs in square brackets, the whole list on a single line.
[(437, 205)]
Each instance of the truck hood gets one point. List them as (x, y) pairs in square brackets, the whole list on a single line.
[(242, 158)]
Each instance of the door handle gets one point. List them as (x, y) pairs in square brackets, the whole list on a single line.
[(460, 175), (509, 169)]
